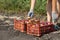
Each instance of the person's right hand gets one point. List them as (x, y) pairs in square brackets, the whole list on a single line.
[(30, 13)]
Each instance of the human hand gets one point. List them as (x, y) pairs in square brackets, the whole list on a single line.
[(30, 13), (54, 17)]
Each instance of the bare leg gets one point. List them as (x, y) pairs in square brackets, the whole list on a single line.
[(58, 8), (49, 10)]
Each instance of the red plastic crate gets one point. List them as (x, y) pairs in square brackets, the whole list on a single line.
[(19, 25), (37, 29), (33, 28), (47, 27)]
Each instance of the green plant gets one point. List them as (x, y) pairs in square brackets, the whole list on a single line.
[(23, 6)]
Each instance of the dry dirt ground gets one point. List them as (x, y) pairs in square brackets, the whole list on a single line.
[(7, 33)]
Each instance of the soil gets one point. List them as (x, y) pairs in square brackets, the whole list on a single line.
[(8, 33)]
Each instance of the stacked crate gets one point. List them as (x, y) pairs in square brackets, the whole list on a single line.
[(19, 25)]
